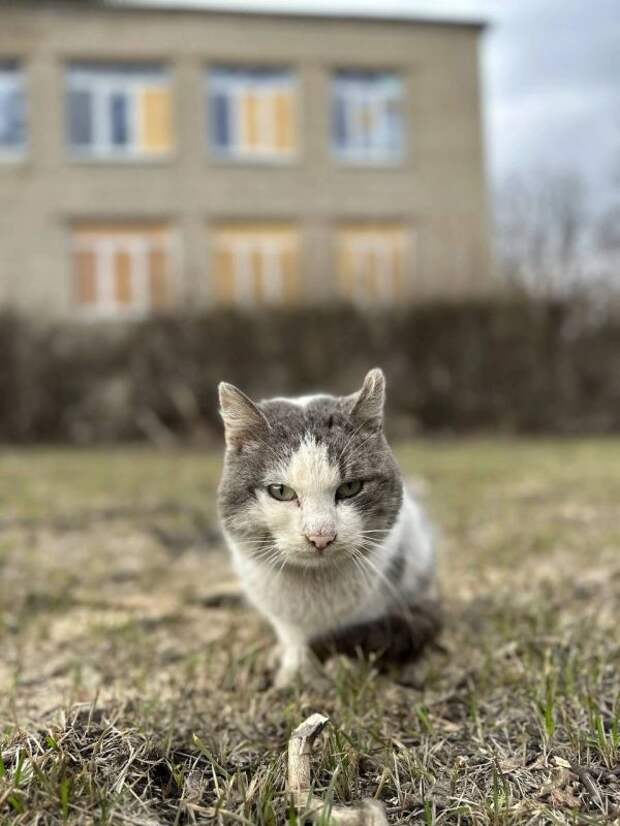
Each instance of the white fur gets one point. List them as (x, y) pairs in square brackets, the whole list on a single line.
[(302, 401), (314, 479), (330, 591)]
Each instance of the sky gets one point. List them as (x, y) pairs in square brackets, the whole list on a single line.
[(551, 79)]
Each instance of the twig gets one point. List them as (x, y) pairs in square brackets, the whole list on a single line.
[(299, 751), (586, 778), (364, 813)]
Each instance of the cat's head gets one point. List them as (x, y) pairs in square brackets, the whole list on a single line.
[(311, 481)]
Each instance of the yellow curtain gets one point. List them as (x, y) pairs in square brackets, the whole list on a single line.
[(251, 135), (285, 122), (156, 120)]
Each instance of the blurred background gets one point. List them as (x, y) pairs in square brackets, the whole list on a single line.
[(283, 194)]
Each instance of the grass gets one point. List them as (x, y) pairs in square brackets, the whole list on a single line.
[(128, 697)]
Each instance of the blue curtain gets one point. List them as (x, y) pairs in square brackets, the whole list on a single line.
[(119, 119), (220, 114), (80, 118), (339, 122), (12, 119)]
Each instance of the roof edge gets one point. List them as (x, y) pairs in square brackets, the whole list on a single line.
[(220, 8)]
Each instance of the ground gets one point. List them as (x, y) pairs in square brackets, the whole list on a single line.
[(134, 687)]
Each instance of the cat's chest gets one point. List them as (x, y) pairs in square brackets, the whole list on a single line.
[(312, 603)]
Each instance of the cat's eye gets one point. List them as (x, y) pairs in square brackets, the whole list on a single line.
[(282, 493), (349, 489)]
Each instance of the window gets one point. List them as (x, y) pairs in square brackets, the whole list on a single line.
[(372, 260), (119, 112), (251, 113), (367, 117), (121, 271), (256, 264), (12, 110)]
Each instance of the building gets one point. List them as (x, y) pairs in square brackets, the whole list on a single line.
[(153, 158)]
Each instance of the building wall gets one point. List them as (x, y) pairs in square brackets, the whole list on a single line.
[(438, 189)]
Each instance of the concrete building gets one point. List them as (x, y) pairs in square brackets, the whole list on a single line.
[(155, 157)]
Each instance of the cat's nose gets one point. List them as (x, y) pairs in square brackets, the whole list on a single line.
[(321, 540)]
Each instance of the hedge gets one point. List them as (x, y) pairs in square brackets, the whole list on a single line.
[(513, 366)]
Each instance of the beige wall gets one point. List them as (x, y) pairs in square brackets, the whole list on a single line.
[(438, 191)]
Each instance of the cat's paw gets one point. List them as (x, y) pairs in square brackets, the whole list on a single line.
[(286, 677), (308, 676)]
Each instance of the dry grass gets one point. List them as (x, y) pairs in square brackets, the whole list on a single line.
[(126, 696)]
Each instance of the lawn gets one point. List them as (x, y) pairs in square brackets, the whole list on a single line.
[(134, 686)]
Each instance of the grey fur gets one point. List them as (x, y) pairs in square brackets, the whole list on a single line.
[(335, 423), (264, 437)]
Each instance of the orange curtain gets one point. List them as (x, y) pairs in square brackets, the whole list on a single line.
[(158, 272), (123, 287), (85, 277)]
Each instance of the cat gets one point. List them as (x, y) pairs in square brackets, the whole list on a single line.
[(327, 542)]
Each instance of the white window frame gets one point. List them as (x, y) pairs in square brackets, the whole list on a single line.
[(272, 250), (105, 247), (12, 79), (101, 82), (235, 81), (357, 93)]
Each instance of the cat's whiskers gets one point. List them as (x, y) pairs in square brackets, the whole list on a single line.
[(348, 595), (364, 575), (254, 549), (279, 569), (256, 542), (395, 593), (270, 557), (267, 552), (372, 542), (264, 551)]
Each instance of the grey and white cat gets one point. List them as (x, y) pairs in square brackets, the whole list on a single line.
[(323, 534)]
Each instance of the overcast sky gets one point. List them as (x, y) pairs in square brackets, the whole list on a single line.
[(551, 73)]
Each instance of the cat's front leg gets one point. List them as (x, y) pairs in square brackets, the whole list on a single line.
[(294, 664), (296, 661)]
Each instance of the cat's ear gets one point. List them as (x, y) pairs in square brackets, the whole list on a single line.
[(368, 403), (242, 418)]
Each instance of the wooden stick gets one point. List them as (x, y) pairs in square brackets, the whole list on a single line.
[(365, 813), (299, 752), (586, 778)]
